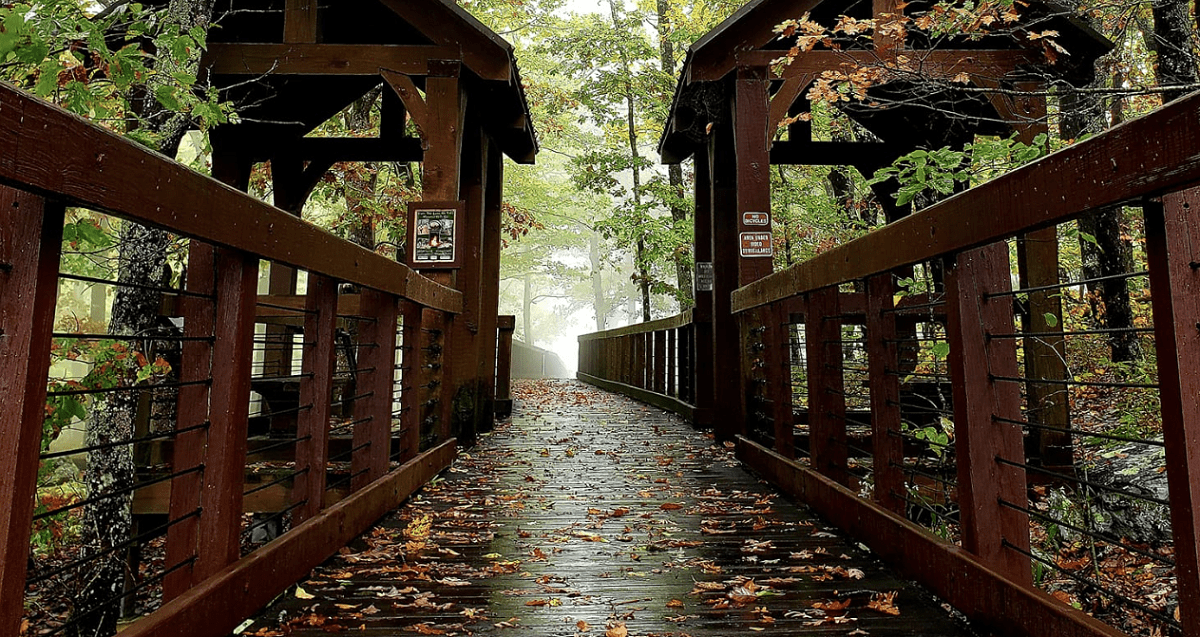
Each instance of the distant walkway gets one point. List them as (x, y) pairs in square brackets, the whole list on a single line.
[(593, 514)]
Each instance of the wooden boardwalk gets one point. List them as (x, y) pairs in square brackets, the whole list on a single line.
[(592, 514)]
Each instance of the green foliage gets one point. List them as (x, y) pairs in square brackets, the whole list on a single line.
[(97, 65)]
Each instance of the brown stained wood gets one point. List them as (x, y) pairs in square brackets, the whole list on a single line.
[(866, 156), (826, 386), (883, 357), (660, 362), (752, 151), (1173, 249), (199, 320), (216, 608), (316, 389), (782, 102), (490, 282), (446, 102), (885, 41), (484, 52), (777, 354), (300, 21), (443, 393), (667, 323), (377, 352), (1045, 356), (29, 257), (46, 149), (978, 402), (986, 596), (698, 347), (225, 458), (322, 59), (504, 404), (402, 86), (329, 150), (671, 363), (569, 500), (928, 63), (1111, 168), (728, 397), (412, 392)]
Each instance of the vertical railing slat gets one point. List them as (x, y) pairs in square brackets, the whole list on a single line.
[(31, 233), (826, 387), (779, 378), (316, 389), (1173, 252), (225, 458), (372, 439), (979, 400), (883, 360)]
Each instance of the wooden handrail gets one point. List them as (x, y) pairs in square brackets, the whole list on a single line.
[(48, 151), (670, 322), (1116, 167)]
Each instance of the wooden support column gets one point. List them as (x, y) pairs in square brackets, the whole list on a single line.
[(777, 354), (300, 21), (30, 245), (372, 439), (826, 386), (883, 361), (728, 416), (316, 389), (506, 325), (981, 441), (752, 134), (489, 311), (229, 406), (699, 347), (1173, 251)]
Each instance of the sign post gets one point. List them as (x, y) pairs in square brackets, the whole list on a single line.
[(433, 235)]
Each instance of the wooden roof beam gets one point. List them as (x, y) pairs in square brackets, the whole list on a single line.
[(300, 21), (338, 149), (930, 63), (865, 156), (483, 52), (323, 59)]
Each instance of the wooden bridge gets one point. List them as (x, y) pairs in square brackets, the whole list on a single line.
[(905, 435)]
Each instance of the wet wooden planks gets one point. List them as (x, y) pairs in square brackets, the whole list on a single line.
[(590, 511)]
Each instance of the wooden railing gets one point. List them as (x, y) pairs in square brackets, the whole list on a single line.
[(654, 362), (833, 332), (504, 401), (353, 408)]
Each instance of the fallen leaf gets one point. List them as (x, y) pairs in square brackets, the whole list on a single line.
[(675, 603), (884, 603), (303, 594), (617, 630), (582, 625), (670, 506)]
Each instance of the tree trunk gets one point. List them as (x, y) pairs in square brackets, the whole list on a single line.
[(141, 262), (643, 268), (527, 310), (1104, 252), (600, 303), (1172, 41), (679, 216)]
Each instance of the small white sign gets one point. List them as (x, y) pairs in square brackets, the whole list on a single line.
[(756, 218), (757, 244), (704, 276)]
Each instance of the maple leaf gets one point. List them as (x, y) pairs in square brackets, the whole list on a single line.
[(617, 629), (832, 606)]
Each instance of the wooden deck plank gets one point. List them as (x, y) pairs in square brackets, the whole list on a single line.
[(515, 523)]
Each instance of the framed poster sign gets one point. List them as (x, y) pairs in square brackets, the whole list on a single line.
[(433, 235)]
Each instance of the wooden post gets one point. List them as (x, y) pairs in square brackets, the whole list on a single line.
[(372, 439), (30, 245), (316, 389), (826, 386), (660, 361), (672, 361), (980, 440), (504, 401), (229, 407), (195, 403), (727, 417), (490, 305), (300, 21), (412, 393), (777, 354), (191, 411), (883, 360), (698, 347), (752, 145), (1172, 237)]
